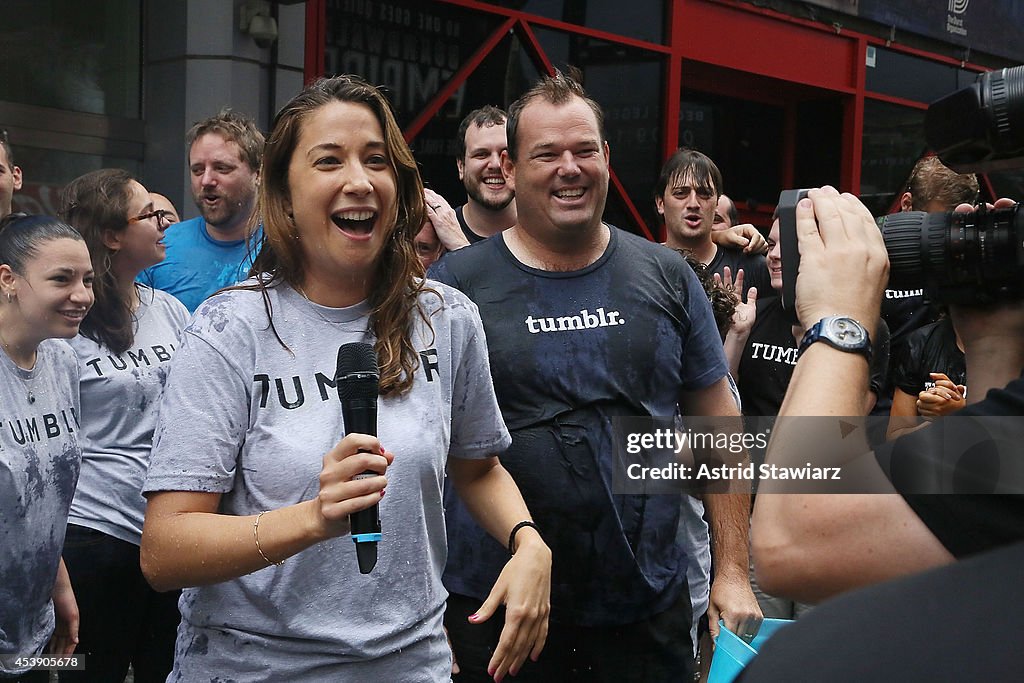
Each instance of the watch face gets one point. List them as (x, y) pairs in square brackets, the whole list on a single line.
[(845, 332)]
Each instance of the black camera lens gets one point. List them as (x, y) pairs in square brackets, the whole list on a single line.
[(980, 128), (964, 258)]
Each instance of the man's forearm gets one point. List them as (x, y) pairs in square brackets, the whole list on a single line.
[(729, 518)]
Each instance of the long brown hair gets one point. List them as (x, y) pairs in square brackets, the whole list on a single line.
[(399, 273), (93, 204)]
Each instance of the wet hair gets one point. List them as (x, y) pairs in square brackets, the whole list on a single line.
[(723, 300), (486, 115), (558, 89), (94, 204), (6, 144), (22, 236), (398, 279), (732, 213), (689, 163), (930, 180), (233, 127)]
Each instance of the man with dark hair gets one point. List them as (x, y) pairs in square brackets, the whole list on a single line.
[(215, 249), (490, 202), (10, 176), (726, 214), (686, 196), (587, 323)]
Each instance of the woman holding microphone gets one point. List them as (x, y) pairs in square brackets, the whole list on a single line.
[(254, 474)]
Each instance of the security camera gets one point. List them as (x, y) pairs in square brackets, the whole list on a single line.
[(254, 19), (263, 30)]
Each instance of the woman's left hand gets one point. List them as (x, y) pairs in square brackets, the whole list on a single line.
[(941, 399), (65, 608), (524, 588)]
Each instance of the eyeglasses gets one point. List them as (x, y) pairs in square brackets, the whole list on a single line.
[(162, 217)]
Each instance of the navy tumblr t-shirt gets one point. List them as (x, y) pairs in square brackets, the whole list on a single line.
[(569, 351)]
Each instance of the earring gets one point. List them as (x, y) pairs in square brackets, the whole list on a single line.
[(10, 297)]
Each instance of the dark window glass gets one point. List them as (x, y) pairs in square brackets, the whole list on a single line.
[(818, 156), (641, 19), (913, 78), (410, 47), (73, 55), (893, 142), (743, 138), (498, 81), (627, 84), (1006, 184), (46, 171)]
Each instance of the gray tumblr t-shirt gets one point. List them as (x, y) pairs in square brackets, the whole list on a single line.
[(120, 398), (39, 462), (247, 418)]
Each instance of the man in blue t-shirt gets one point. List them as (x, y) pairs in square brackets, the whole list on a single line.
[(586, 323), (215, 249)]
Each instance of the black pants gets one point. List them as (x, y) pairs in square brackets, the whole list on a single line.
[(655, 650), (124, 621)]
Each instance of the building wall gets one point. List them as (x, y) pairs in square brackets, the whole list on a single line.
[(196, 62)]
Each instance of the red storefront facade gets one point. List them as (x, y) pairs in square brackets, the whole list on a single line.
[(777, 99)]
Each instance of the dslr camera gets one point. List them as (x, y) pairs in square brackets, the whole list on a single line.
[(958, 258)]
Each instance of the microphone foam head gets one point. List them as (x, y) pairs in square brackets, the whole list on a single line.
[(357, 376)]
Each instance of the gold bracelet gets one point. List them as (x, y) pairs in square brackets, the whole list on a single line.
[(256, 536)]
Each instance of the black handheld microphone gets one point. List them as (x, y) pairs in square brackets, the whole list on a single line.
[(358, 383)]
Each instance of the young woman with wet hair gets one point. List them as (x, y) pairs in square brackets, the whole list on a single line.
[(251, 484), (45, 292)]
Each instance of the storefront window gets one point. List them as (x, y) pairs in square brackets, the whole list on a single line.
[(46, 171), (498, 81), (1007, 184), (893, 142), (743, 138), (913, 78), (410, 47), (641, 19), (72, 55)]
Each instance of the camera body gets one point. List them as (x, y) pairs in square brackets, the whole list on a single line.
[(790, 250)]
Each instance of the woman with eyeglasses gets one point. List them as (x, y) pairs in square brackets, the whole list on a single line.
[(45, 292), (124, 349)]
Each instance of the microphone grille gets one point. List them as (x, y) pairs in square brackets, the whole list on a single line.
[(357, 376)]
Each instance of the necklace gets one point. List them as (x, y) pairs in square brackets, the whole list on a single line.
[(314, 306), (31, 397)]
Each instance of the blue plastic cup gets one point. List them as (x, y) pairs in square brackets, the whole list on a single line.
[(732, 653)]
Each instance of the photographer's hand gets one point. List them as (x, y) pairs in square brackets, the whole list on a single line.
[(804, 544), (843, 263)]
